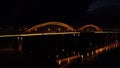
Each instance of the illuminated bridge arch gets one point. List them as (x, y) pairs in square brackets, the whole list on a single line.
[(51, 23), (90, 25)]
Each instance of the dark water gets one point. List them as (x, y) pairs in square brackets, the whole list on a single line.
[(41, 50), (110, 59)]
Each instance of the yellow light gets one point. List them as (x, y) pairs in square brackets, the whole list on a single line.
[(101, 49), (49, 29), (59, 62), (82, 56)]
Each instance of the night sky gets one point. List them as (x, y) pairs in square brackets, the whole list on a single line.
[(99, 12)]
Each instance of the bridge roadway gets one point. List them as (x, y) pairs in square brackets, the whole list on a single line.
[(37, 34)]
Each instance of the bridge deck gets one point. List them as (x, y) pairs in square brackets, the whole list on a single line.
[(36, 34)]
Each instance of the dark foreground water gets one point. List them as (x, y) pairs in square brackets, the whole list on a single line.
[(109, 59), (41, 50)]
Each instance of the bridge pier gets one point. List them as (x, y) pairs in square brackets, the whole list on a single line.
[(19, 44)]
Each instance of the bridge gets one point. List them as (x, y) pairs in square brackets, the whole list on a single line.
[(110, 39), (53, 28), (60, 28)]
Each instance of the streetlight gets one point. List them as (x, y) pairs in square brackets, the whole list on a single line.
[(59, 29), (59, 62), (82, 56), (116, 42), (49, 29), (92, 53), (73, 34), (35, 29), (87, 54)]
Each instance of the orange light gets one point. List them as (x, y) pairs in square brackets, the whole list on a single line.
[(68, 60)]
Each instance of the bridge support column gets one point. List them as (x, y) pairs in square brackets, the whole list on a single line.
[(20, 44)]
